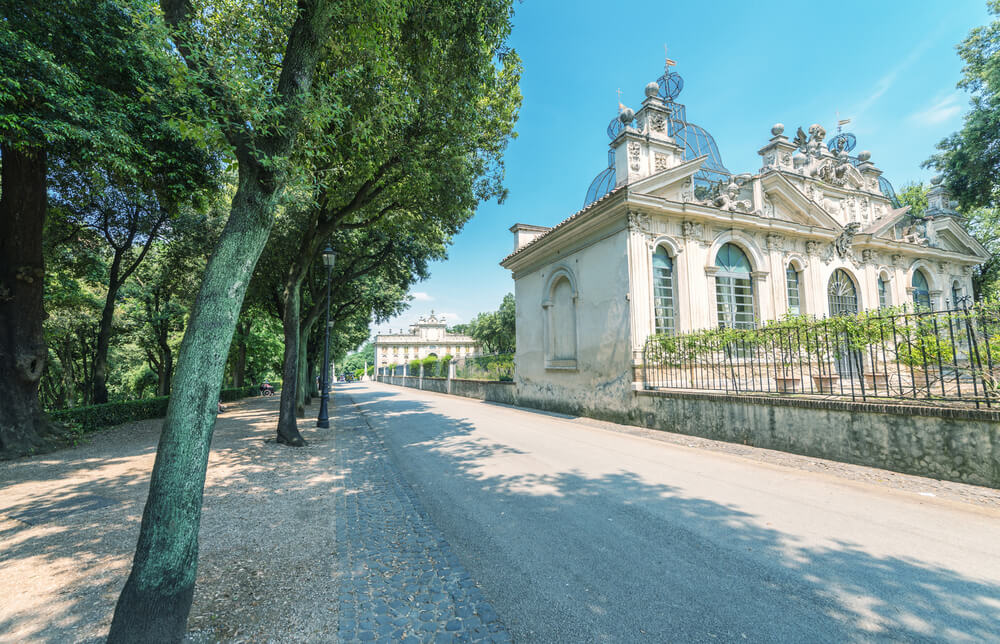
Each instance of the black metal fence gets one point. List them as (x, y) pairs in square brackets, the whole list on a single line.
[(950, 356), (489, 367)]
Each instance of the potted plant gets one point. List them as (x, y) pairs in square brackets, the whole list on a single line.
[(924, 352), (870, 333), (788, 347), (819, 344)]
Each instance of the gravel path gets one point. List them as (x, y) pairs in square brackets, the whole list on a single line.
[(318, 544), (405, 583), (69, 521)]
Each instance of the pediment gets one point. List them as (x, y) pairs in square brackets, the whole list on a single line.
[(669, 183), (884, 226), (951, 236), (791, 204)]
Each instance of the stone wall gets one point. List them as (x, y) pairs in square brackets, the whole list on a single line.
[(949, 444), (944, 443), (501, 392)]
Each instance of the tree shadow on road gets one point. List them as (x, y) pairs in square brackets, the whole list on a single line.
[(683, 568)]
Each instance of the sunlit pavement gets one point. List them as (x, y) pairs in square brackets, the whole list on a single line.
[(580, 533)]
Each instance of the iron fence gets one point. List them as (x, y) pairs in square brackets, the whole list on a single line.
[(495, 367), (948, 356), (492, 367)]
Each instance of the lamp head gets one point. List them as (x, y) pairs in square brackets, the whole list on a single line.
[(329, 257)]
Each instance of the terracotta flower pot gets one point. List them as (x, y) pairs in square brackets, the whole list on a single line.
[(825, 384), (877, 380), (922, 378), (788, 385)]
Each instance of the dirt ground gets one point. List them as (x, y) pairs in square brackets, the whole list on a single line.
[(69, 521)]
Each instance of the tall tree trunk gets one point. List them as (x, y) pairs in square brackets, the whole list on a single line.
[(156, 599), (69, 384), (288, 431), (240, 369), (166, 371), (303, 383), (313, 387), (23, 202), (104, 334)]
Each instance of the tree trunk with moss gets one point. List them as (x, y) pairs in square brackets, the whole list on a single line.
[(23, 201), (288, 430), (155, 602)]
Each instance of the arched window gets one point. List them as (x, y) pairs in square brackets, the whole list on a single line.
[(842, 294), (560, 322), (663, 291), (883, 293), (956, 295), (921, 291), (734, 288), (792, 289)]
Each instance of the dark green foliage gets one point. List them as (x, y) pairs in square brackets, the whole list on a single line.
[(970, 158), (914, 195), (236, 393), (494, 331), (94, 417)]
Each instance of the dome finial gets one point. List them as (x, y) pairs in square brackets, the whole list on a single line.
[(667, 62)]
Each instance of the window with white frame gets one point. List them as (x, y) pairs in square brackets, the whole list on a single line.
[(883, 293), (734, 288), (663, 291), (792, 289), (921, 290)]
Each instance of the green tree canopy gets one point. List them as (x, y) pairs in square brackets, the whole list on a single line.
[(970, 158)]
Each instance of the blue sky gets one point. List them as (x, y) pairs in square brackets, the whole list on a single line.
[(889, 66)]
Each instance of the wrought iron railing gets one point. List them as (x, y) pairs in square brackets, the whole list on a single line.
[(949, 356), (494, 367)]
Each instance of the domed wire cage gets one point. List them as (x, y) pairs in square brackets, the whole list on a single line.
[(884, 186), (603, 183), (694, 139)]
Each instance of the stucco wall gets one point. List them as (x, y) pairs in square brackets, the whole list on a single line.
[(602, 376)]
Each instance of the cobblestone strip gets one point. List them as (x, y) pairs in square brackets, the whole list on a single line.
[(402, 582)]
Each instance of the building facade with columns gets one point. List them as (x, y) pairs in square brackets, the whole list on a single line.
[(426, 337), (669, 240)]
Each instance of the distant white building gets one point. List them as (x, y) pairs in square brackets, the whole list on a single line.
[(669, 240), (427, 337)]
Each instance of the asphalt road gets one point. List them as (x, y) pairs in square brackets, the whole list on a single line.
[(579, 533)]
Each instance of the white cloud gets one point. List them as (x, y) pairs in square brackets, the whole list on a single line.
[(420, 296), (939, 112), (450, 318), (889, 78)]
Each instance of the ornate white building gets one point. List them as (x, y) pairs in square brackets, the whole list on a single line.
[(427, 337), (669, 240)]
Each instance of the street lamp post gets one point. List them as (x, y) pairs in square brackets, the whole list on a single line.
[(324, 417)]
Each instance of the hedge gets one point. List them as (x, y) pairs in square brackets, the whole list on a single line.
[(93, 417)]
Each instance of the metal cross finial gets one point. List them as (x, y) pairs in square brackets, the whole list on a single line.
[(841, 122), (667, 62)]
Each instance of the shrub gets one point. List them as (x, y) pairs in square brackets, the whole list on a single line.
[(235, 393), (443, 366), (93, 417)]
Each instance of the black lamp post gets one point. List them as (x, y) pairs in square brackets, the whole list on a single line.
[(324, 417)]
